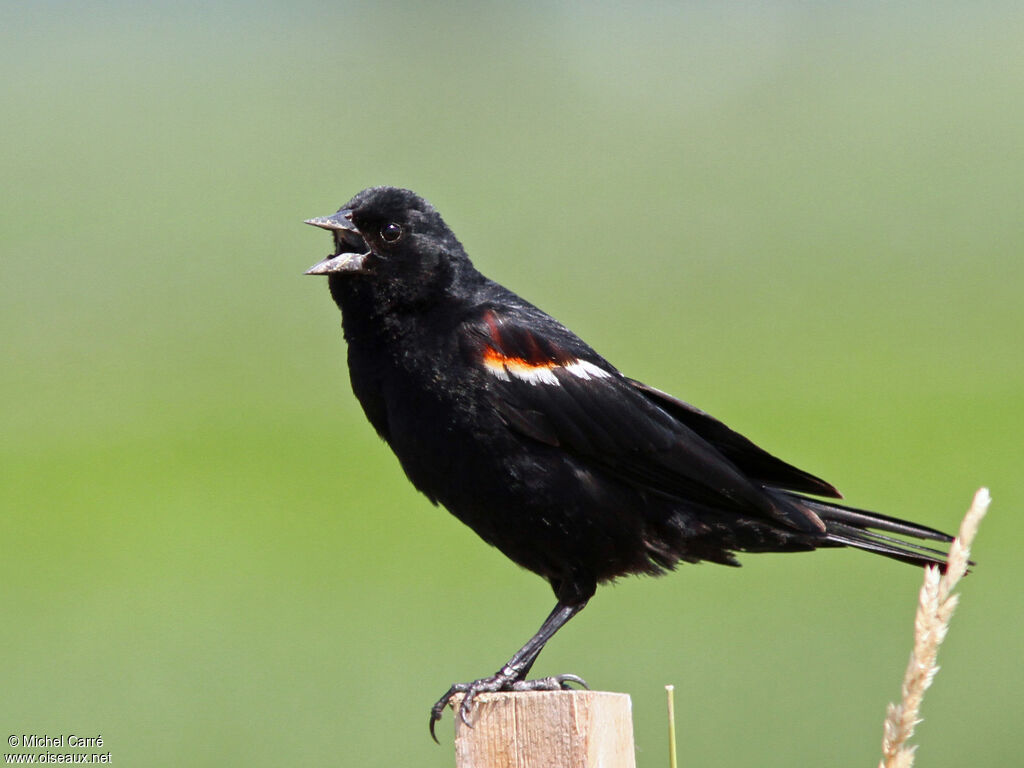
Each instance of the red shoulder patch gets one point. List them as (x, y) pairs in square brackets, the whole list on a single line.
[(513, 352), (517, 343), (502, 366)]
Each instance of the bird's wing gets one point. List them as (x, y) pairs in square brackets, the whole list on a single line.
[(549, 385), (753, 461)]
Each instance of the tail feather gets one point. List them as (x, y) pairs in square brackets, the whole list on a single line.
[(904, 551), (851, 527)]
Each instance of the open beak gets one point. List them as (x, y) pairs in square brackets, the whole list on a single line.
[(351, 251)]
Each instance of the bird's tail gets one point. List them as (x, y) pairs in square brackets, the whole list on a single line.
[(870, 531)]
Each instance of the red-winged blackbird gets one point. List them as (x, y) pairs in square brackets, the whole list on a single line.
[(509, 420)]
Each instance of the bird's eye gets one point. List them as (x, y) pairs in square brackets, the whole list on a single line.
[(391, 232)]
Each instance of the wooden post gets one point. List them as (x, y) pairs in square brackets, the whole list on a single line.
[(546, 729)]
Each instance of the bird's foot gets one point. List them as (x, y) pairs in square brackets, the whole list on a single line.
[(504, 679)]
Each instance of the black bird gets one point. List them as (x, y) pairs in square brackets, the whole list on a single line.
[(573, 470)]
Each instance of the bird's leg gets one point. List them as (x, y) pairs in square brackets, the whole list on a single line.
[(511, 677), (527, 655)]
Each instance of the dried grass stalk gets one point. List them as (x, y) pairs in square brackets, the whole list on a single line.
[(934, 610)]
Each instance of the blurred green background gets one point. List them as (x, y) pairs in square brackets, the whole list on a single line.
[(805, 218)]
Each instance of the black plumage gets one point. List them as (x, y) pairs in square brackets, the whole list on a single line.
[(505, 417)]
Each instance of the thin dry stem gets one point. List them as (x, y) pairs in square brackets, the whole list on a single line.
[(934, 610), (672, 763)]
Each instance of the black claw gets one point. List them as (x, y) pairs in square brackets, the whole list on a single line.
[(564, 681), (437, 710), (467, 702), (493, 684), (433, 720)]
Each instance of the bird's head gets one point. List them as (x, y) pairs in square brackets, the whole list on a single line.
[(390, 236)]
